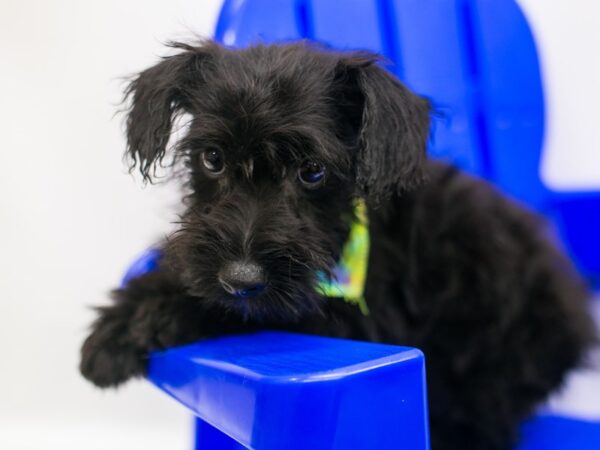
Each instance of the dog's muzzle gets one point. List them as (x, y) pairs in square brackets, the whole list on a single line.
[(242, 279)]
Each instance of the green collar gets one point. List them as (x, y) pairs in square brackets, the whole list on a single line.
[(350, 274)]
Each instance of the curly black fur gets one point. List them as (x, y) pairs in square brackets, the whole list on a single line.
[(454, 269)]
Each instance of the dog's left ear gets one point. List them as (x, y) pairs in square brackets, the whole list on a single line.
[(390, 126)]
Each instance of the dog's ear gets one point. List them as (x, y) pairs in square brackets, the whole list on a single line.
[(390, 126), (155, 97)]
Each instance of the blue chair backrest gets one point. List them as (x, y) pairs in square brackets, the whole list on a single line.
[(475, 59)]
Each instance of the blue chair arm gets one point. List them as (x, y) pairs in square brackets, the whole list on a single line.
[(273, 390)]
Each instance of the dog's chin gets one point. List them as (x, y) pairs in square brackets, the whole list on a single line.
[(275, 304)]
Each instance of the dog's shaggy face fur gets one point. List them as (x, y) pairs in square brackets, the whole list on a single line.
[(282, 140), (270, 117)]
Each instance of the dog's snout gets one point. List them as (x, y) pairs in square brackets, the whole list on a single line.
[(242, 279)]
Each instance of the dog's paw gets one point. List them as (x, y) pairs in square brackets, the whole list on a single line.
[(108, 363)]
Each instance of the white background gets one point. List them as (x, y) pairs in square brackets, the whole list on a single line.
[(568, 38), (71, 219)]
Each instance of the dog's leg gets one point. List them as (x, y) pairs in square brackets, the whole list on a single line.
[(152, 312), (124, 332)]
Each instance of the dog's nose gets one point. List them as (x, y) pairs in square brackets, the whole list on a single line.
[(242, 279)]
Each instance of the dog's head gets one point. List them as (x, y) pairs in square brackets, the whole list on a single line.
[(282, 140)]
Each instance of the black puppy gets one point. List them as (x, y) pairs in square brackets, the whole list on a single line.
[(283, 141)]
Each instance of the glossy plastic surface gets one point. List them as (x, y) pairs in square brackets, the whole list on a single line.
[(270, 391), (560, 433), (475, 59)]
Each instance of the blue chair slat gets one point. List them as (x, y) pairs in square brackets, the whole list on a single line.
[(511, 98), (430, 41), (245, 22), (351, 25), (269, 391)]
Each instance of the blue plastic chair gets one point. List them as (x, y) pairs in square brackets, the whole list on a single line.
[(477, 61)]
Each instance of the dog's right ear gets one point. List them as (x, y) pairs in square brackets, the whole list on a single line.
[(155, 97), (388, 123)]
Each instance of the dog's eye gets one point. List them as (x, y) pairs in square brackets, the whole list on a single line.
[(311, 174), (213, 160)]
